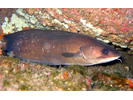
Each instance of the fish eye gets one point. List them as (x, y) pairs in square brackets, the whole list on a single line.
[(105, 51)]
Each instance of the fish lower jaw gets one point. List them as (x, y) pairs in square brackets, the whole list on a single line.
[(108, 59)]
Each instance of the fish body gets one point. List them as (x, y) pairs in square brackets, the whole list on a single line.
[(52, 47)]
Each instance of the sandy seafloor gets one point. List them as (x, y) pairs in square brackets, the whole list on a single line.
[(16, 75)]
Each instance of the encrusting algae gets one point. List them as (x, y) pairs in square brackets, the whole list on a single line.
[(30, 76)]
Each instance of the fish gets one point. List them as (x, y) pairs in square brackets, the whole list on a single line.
[(56, 47)]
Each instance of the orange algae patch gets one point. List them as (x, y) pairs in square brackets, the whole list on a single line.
[(1, 45), (38, 67), (65, 75), (25, 28), (130, 82), (1, 35)]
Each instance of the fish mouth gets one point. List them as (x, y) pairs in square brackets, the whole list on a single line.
[(106, 60)]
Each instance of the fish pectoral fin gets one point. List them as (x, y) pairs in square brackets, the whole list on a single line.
[(67, 54)]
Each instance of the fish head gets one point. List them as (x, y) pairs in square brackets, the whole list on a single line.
[(99, 53)]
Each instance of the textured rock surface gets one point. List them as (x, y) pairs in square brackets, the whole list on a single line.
[(110, 25)]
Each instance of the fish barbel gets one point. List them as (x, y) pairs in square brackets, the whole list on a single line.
[(54, 47)]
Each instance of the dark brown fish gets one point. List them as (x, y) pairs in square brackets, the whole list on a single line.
[(58, 48)]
